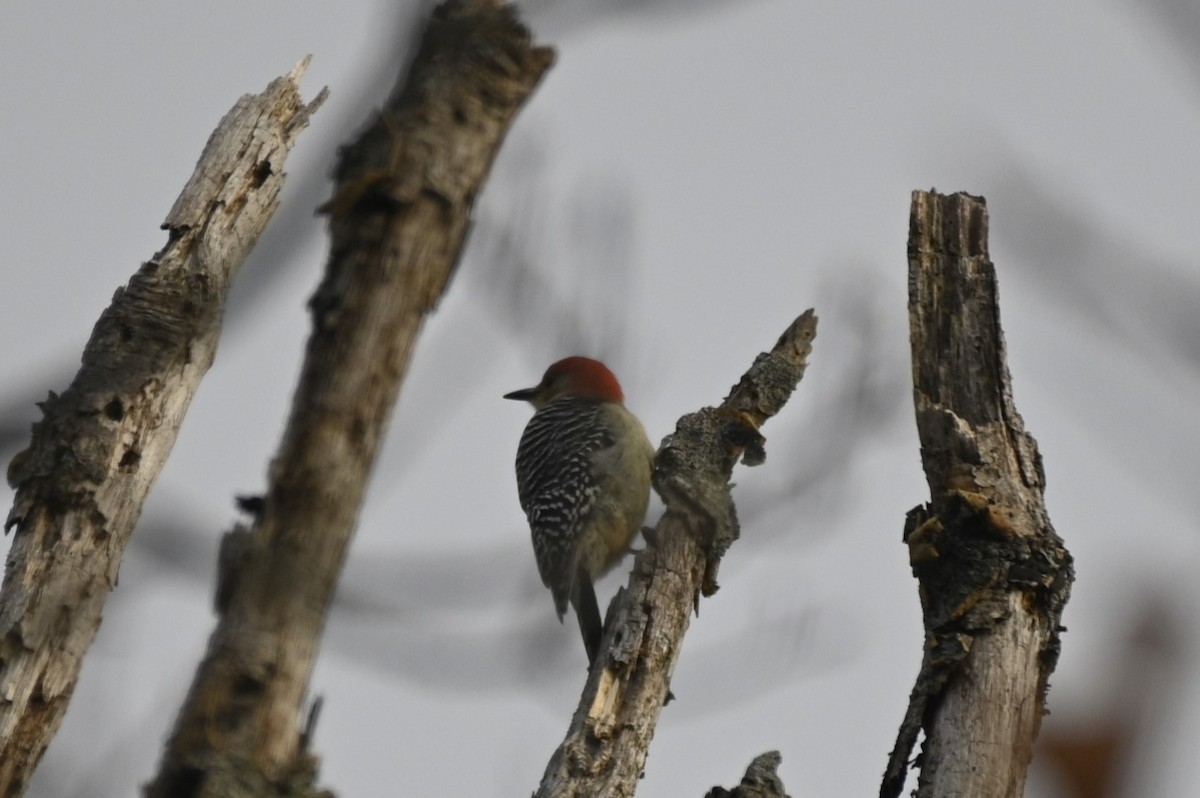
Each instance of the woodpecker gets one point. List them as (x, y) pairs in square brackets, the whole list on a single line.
[(583, 479)]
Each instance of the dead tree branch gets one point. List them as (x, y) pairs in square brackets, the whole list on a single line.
[(994, 576), (101, 444), (761, 780), (606, 746), (398, 221)]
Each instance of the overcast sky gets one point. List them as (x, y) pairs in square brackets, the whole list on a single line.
[(683, 184)]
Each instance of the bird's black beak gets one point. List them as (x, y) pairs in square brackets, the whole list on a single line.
[(523, 395)]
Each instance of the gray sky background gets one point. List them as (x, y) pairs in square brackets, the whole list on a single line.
[(682, 186)]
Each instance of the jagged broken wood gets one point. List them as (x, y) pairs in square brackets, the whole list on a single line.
[(398, 220), (761, 780), (100, 445), (605, 748), (994, 576)]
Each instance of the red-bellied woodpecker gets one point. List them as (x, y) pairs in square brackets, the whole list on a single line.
[(583, 478)]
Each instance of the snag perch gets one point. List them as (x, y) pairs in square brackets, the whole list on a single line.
[(605, 749), (994, 576)]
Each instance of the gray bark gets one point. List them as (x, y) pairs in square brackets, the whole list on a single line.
[(761, 780), (398, 220), (606, 745), (100, 445), (994, 576)]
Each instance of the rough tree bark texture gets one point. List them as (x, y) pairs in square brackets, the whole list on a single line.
[(994, 577), (100, 446), (606, 745), (398, 221), (761, 780)]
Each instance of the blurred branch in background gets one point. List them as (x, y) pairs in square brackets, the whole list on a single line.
[(1108, 282), (398, 219), (560, 273), (560, 18), (1179, 23), (1111, 748), (857, 406)]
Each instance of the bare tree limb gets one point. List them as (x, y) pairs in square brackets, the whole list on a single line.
[(100, 446), (606, 746), (994, 575), (761, 780), (398, 220)]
